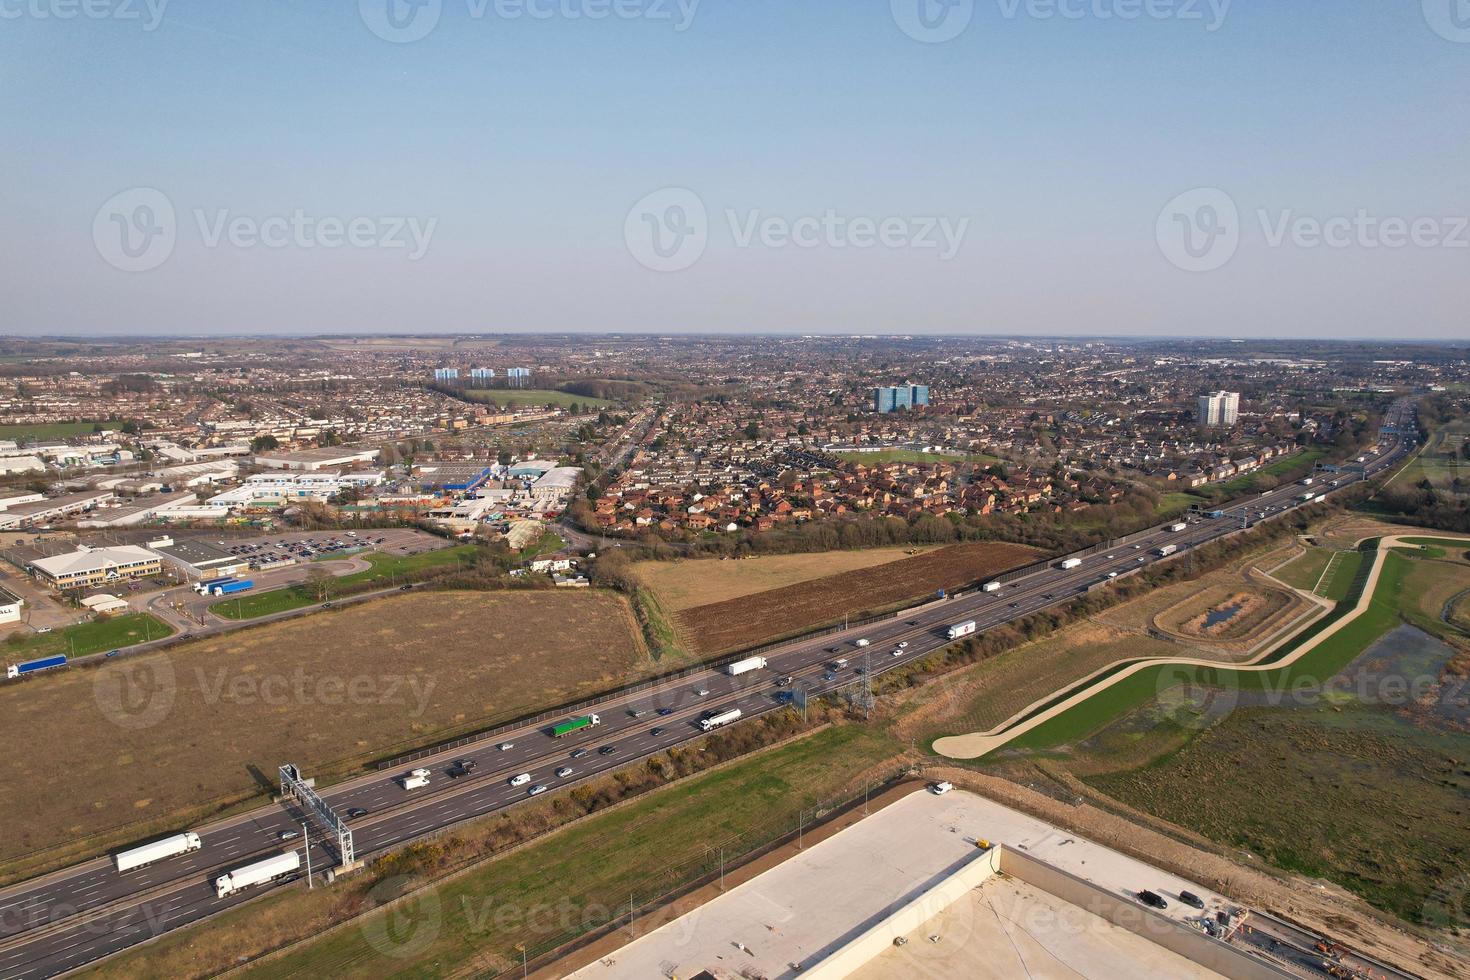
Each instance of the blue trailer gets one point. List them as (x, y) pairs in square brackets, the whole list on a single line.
[(230, 588), (33, 666)]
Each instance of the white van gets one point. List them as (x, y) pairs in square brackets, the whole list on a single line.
[(520, 780), (939, 789)]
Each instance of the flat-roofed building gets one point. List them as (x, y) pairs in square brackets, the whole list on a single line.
[(10, 604), (317, 459), (87, 567)]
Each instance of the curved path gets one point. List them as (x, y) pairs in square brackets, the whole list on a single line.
[(977, 744)]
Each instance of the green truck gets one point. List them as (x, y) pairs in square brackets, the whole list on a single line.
[(575, 725)]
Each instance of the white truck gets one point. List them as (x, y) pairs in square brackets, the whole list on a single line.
[(861, 643), (1166, 550), (256, 874), (961, 629), (746, 666), (1176, 528), (1069, 563), (990, 587), (710, 722), (158, 850), (1307, 482), (416, 779)]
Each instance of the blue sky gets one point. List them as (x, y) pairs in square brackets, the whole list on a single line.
[(498, 170)]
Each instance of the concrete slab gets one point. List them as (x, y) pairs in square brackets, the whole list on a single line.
[(1007, 929)]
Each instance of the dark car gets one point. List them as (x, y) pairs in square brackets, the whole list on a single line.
[(784, 681), (607, 750), (1192, 900), (405, 588), (356, 812), (656, 732), (1152, 899), (665, 712)]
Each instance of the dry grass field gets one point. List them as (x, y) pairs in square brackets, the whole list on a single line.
[(162, 740), (757, 617), (685, 584)]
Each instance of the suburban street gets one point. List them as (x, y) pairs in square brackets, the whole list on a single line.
[(65, 920)]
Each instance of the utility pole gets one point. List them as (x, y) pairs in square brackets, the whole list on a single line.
[(306, 836), (722, 869)]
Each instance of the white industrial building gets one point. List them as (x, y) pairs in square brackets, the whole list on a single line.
[(52, 508), (9, 607), (276, 489), (96, 566), (312, 460)]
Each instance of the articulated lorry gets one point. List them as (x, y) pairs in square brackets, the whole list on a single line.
[(230, 588), (148, 853), (745, 666), (715, 719), (35, 666), (1069, 563), (256, 874), (961, 629), (574, 725)]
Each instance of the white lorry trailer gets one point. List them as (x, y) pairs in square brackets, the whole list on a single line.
[(991, 587), (746, 666), (1176, 528), (415, 779), (169, 847), (711, 722), (256, 874), (1070, 563), (1166, 550), (961, 629)]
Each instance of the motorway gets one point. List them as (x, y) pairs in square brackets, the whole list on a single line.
[(59, 922)]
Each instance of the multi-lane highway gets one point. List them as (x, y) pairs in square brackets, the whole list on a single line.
[(65, 920)]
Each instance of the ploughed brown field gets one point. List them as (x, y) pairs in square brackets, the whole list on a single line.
[(719, 627), (154, 743)]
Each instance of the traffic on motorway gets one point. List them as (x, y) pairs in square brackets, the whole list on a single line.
[(65, 920)]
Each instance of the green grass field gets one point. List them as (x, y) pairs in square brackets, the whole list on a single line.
[(1302, 462), (386, 571), (508, 397), (1177, 503), (97, 636), (40, 432), (1383, 614)]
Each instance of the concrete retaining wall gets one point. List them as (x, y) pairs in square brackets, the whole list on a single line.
[(1125, 913), (908, 918)]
